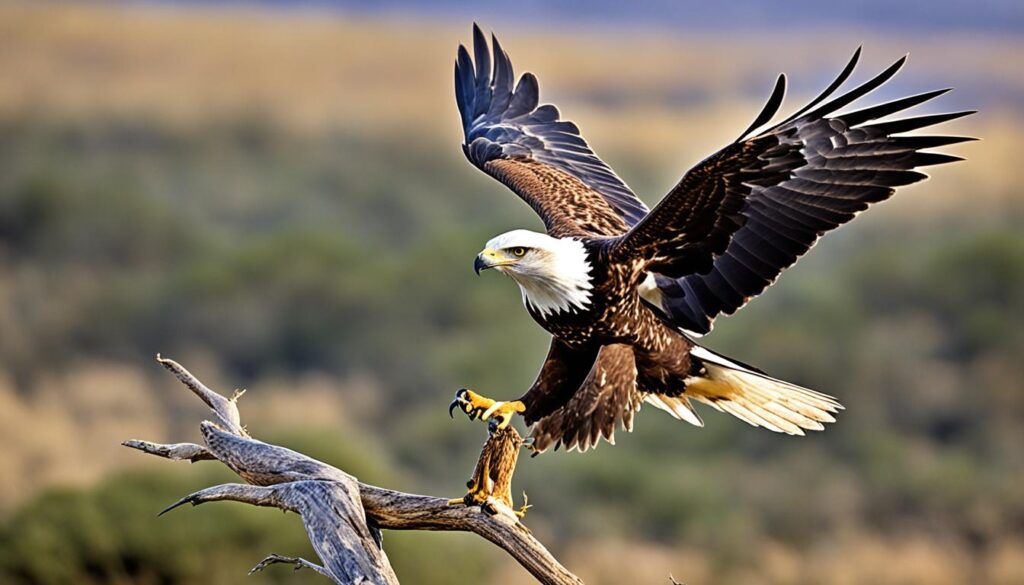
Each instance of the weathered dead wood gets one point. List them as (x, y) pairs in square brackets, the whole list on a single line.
[(343, 516), (175, 452)]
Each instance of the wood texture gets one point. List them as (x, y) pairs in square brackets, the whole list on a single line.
[(342, 516)]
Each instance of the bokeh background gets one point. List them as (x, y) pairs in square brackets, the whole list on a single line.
[(273, 193)]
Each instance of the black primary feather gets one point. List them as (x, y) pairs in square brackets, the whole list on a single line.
[(832, 87), (824, 169), (771, 107)]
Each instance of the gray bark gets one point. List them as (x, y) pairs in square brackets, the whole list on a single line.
[(342, 516)]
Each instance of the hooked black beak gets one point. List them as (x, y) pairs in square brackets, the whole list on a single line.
[(479, 265)]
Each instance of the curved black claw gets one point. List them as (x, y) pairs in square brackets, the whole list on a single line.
[(460, 397), (462, 402)]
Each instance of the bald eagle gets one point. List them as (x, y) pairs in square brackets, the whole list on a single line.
[(625, 291)]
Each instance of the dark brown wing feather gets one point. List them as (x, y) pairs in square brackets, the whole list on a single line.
[(607, 399), (536, 148), (738, 219), (694, 222), (564, 371)]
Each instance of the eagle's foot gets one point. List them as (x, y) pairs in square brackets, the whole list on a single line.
[(470, 403), (479, 493), (498, 414)]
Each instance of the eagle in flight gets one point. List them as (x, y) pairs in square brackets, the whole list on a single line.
[(624, 290)]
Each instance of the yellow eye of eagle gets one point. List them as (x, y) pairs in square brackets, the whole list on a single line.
[(519, 251)]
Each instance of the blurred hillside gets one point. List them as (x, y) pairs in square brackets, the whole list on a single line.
[(278, 200), (997, 16)]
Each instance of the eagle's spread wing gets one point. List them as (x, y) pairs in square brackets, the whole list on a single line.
[(530, 149), (738, 219), (609, 397)]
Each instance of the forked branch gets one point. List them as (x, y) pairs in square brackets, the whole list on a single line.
[(343, 516)]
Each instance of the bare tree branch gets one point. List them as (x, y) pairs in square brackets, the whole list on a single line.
[(175, 452), (299, 562), (350, 550), (225, 408), (342, 516), (400, 511)]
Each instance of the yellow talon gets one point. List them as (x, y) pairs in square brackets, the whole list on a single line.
[(480, 488), (498, 413), (470, 403)]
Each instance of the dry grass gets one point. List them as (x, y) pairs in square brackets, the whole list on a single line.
[(69, 431), (201, 65), (908, 559), (307, 71)]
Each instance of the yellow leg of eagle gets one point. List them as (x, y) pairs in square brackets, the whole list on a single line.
[(497, 413), (491, 483), (480, 485)]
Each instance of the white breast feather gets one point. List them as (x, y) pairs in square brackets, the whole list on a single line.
[(565, 283)]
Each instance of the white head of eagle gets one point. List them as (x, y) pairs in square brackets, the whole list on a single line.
[(552, 273)]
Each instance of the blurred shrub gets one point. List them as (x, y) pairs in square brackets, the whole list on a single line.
[(110, 534)]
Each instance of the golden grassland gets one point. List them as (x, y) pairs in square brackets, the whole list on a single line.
[(338, 69), (847, 560), (69, 429), (310, 71)]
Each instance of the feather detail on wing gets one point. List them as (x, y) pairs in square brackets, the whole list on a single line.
[(607, 399), (679, 407), (738, 219), (530, 149)]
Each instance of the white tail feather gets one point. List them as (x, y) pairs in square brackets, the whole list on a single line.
[(678, 406), (758, 399)]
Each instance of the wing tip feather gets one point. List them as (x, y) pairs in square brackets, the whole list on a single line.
[(770, 108)]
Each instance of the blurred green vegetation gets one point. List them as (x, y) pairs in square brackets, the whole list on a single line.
[(129, 230), (111, 534), (264, 252)]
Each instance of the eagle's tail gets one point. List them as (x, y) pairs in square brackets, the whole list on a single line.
[(757, 398)]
